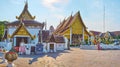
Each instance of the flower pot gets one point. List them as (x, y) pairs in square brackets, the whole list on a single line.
[(10, 57)]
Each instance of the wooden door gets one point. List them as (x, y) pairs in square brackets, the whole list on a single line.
[(20, 39), (51, 46)]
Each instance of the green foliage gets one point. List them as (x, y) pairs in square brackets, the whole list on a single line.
[(106, 41), (13, 50), (118, 37), (2, 27)]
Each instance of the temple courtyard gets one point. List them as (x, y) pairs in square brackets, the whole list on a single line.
[(75, 57)]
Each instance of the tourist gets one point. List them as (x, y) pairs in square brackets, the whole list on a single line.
[(22, 48)]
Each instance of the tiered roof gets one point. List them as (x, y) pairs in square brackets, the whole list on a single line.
[(116, 33), (46, 37), (26, 23), (69, 22), (25, 14), (26, 18), (95, 33)]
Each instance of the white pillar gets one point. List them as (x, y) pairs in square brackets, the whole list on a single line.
[(83, 35), (14, 41), (88, 39), (48, 47), (44, 48), (41, 35), (54, 47), (66, 43), (29, 40), (70, 35)]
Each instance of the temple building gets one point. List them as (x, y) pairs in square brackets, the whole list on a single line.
[(26, 29), (73, 29)]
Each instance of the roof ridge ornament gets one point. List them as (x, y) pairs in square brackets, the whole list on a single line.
[(26, 4), (25, 13)]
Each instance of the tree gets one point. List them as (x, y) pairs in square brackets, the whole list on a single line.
[(2, 27)]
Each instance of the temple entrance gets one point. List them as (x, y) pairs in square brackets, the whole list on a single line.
[(52, 47), (20, 39)]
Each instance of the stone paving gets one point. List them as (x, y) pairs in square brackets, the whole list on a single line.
[(75, 57)]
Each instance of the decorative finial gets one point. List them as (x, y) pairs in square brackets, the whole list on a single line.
[(71, 13), (26, 4), (45, 24)]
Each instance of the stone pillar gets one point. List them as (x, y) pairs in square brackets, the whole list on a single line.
[(70, 35), (44, 48), (41, 35), (88, 39), (14, 40), (54, 47), (48, 47), (66, 43)]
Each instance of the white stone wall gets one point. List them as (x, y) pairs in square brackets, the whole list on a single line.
[(66, 43), (45, 48), (60, 46), (34, 31), (11, 30)]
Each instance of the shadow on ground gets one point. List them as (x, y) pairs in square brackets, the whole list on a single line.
[(35, 57)]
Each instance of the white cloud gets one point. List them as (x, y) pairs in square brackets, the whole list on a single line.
[(53, 4)]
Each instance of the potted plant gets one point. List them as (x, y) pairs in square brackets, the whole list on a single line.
[(10, 57)]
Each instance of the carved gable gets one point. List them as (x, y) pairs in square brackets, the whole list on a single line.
[(22, 31)]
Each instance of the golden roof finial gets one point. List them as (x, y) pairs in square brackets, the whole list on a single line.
[(26, 4)]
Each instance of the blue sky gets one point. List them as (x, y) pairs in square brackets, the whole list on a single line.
[(55, 10)]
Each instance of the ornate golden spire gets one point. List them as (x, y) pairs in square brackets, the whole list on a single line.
[(25, 13), (26, 5)]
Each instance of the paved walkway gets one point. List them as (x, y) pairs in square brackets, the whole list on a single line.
[(75, 57)]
